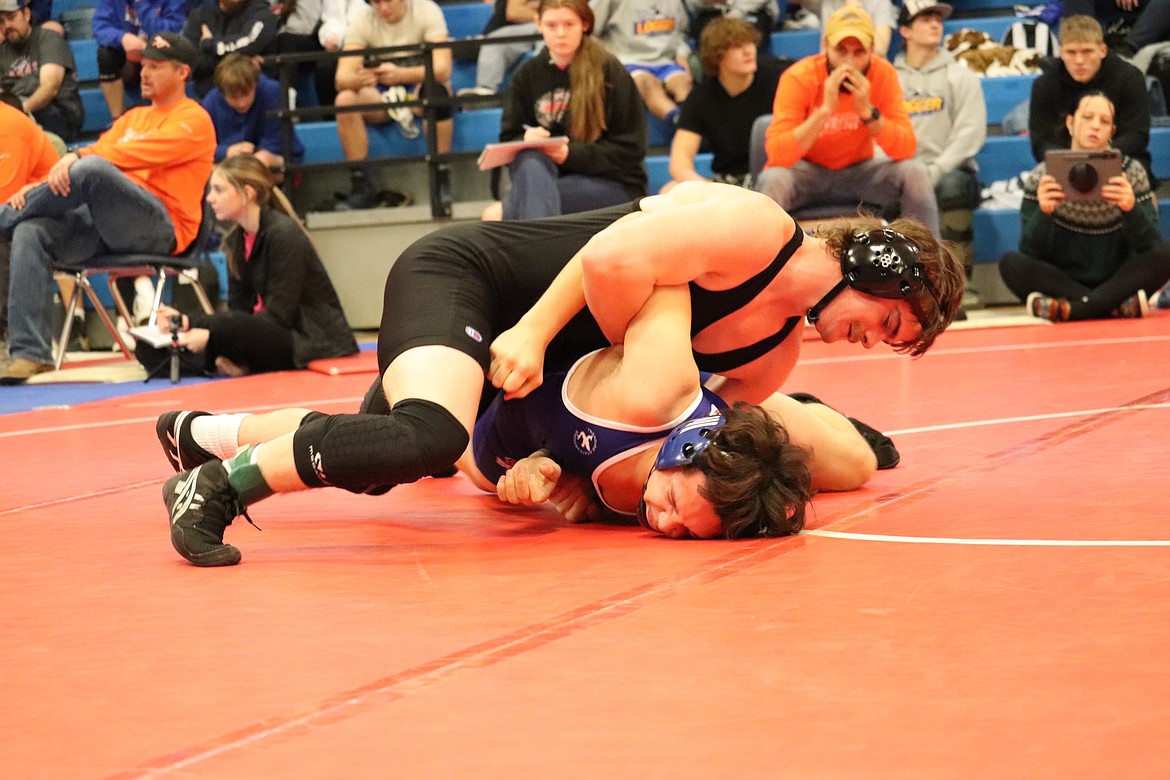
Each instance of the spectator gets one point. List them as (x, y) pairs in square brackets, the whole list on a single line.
[(240, 106), (761, 14), (137, 189), (883, 13), (282, 309), (1086, 65), (736, 88), (122, 29), (391, 23), (42, 16), (38, 67), (299, 32), (1148, 20), (573, 87), (946, 106), (649, 37), (1089, 259), (28, 157), (830, 109), (494, 63), (245, 27)]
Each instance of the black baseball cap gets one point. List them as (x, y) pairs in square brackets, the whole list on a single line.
[(171, 46)]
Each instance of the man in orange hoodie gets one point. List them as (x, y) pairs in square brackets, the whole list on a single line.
[(829, 112), (26, 157), (139, 188)]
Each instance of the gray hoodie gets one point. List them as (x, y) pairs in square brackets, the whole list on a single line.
[(947, 109), (645, 32)]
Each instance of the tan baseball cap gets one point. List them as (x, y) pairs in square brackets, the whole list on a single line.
[(849, 22)]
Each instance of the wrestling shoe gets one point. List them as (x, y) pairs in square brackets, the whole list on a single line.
[(174, 434), (1051, 309), (1133, 307), (883, 446), (202, 505)]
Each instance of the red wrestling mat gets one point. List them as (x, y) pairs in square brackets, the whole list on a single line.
[(361, 363), (995, 607)]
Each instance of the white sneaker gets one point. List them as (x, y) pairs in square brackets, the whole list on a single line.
[(484, 91), (403, 115)]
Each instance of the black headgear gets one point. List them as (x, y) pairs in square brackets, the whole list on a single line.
[(882, 263)]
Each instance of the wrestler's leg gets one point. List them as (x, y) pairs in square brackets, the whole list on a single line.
[(840, 459)]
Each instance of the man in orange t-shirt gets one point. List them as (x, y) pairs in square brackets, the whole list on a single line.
[(25, 158), (138, 189), (830, 110)]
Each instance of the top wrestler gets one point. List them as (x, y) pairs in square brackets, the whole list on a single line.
[(452, 292)]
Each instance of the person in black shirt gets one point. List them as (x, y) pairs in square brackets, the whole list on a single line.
[(737, 87), (1086, 65)]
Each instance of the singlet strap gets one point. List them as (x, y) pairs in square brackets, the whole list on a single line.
[(710, 306), (718, 362)]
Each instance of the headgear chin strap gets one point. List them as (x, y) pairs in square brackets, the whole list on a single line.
[(684, 444), (882, 263)]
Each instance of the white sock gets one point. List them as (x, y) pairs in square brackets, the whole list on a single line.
[(219, 434)]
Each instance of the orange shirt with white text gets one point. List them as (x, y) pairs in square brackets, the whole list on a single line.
[(844, 140), (169, 152)]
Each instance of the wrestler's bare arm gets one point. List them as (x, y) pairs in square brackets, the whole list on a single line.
[(716, 234)]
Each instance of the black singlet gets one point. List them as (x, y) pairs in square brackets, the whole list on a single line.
[(710, 306)]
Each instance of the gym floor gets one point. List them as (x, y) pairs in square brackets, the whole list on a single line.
[(998, 606)]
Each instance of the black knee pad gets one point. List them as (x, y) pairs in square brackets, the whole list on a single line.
[(375, 400), (365, 453)]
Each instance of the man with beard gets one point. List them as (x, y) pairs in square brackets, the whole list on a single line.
[(139, 188), (37, 66), (829, 112)]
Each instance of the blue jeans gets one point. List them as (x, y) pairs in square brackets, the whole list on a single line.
[(494, 63), (539, 189), (104, 213), (885, 182)]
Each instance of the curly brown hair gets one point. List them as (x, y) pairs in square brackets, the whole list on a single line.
[(720, 37), (942, 264), (757, 480)]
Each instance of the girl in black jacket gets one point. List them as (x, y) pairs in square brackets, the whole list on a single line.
[(573, 87), (282, 309)]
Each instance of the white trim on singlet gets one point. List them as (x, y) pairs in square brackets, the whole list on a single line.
[(617, 426)]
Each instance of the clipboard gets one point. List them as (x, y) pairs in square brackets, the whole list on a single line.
[(495, 155), (151, 335)]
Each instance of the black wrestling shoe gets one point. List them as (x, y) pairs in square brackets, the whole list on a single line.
[(882, 446), (202, 505), (174, 434)]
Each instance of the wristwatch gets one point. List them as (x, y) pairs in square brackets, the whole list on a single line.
[(874, 116)]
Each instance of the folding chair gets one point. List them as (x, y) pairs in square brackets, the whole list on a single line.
[(184, 267)]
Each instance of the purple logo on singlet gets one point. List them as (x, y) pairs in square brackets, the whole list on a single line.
[(475, 334), (585, 441)]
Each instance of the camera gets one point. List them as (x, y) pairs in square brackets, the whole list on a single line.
[(1081, 173), (370, 61)]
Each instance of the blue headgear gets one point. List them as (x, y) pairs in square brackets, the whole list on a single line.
[(687, 441), (882, 263), (684, 444)]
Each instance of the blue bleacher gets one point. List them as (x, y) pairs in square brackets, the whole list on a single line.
[(60, 6), (658, 169), (466, 19), (795, 44), (472, 131), (85, 56), (1003, 93), (1003, 157), (97, 113)]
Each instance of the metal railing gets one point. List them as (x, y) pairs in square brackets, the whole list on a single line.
[(287, 65)]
